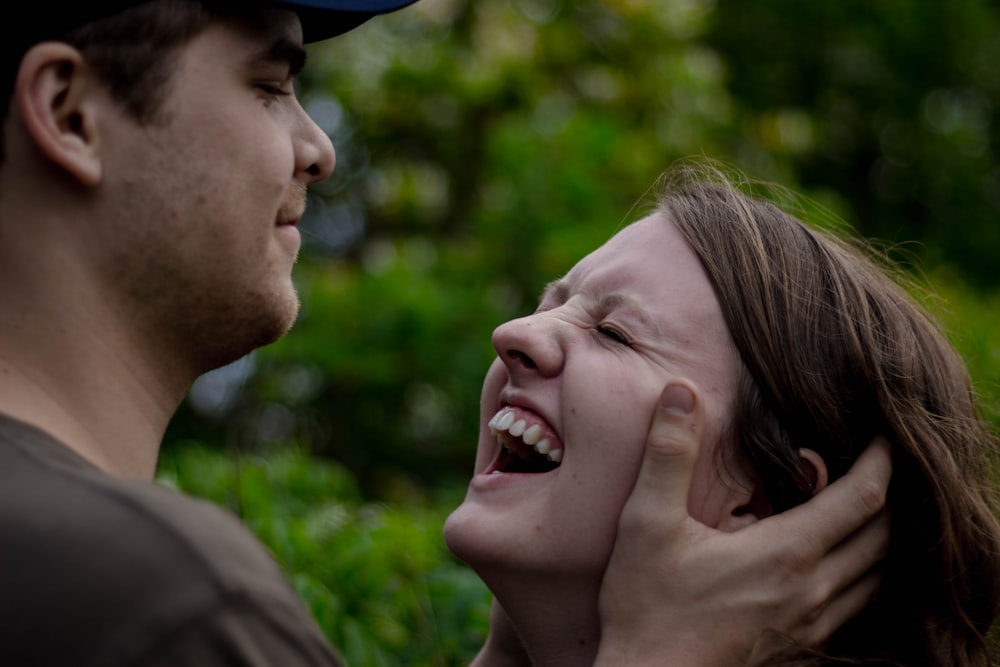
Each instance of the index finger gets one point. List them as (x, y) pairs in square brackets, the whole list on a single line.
[(847, 504)]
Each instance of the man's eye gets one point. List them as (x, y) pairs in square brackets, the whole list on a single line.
[(273, 89), (613, 334)]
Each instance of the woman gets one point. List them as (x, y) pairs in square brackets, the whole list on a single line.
[(784, 335)]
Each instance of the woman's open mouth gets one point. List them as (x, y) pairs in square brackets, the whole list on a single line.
[(528, 444)]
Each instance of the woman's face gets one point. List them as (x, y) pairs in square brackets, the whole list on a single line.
[(580, 379)]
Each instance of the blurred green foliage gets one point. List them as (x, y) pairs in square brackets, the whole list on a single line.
[(484, 147), (377, 577)]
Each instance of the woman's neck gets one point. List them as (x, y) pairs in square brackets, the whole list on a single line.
[(557, 621)]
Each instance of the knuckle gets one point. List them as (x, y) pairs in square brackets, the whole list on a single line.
[(815, 601), (870, 497), (799, 558), (668, 444)]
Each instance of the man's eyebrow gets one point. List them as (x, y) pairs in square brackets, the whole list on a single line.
[(284, 50)]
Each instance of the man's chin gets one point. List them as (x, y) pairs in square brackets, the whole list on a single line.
[(239, 335)]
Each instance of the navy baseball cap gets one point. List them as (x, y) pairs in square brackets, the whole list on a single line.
[(321, 19)]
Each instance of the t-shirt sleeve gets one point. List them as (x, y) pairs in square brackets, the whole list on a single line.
[(97, 571), (244, 632)]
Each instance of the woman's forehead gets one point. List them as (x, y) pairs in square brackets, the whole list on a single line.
[(649, 250)]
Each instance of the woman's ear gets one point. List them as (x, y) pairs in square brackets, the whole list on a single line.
[(746, 503), (817, 470), (55, 97)]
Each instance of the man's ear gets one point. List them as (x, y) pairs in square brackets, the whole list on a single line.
[(746, 504), (55, 97)]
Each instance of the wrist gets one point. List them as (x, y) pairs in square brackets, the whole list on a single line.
[(677, 649)]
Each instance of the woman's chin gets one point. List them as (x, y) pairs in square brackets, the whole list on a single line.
[(468, 540), (516, 553)]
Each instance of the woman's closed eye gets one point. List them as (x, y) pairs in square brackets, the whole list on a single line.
[(613, 334)]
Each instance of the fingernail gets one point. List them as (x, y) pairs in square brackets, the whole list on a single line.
[(678, 399)]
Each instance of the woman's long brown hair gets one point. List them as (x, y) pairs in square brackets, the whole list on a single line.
[(835, 352)]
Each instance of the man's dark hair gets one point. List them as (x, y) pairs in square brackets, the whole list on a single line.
[(132, 51)]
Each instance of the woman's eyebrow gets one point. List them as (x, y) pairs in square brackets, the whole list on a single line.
[(631, 305), (557, 289)]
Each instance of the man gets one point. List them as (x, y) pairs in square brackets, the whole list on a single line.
[(155, 160)]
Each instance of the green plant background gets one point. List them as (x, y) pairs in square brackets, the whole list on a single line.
[(482, 148)]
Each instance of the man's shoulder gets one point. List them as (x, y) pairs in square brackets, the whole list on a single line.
[(52, 504), (98, 563)]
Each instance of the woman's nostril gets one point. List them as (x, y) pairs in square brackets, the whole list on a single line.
[(521, 357)]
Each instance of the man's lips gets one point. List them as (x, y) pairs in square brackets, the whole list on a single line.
[(292, 210)]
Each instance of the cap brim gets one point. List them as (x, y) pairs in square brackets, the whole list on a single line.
[(322, 19)]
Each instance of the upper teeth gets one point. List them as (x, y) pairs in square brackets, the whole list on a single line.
[(506, 421)]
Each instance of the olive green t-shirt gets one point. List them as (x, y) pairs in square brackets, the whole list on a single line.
[(99, 571)]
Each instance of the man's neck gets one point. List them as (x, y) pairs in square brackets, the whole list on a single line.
[(70, 366), (111, 430), (74, 358)]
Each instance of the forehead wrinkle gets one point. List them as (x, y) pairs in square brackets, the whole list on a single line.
[(559, 291)]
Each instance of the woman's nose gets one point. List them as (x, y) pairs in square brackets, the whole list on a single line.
[(529, 345)]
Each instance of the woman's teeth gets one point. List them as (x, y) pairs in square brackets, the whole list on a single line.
[(506, 422)]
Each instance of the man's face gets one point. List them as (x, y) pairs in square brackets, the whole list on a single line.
[(202, 204)]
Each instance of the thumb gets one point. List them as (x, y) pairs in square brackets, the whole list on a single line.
[(661, 490)]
